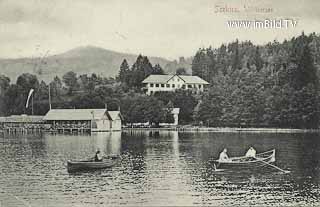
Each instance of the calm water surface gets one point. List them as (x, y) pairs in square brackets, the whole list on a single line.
[(158, 169)]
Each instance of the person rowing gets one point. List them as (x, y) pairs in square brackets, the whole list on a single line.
[(98, 156), (251, 153), (224, 156)]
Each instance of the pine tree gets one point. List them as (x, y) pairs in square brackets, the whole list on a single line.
[(258, 60), (235, 64), (124, 72), (141, 69)]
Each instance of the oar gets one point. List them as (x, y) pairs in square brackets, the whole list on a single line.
[(278, 168)]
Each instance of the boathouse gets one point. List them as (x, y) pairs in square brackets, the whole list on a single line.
[(22, 123), (94, 120)]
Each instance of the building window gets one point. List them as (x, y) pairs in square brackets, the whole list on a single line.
[(184, 86), (200, 86), (168, 85), (189, 86), (151, 84), (157, 85), (162, 85), (173, 86)]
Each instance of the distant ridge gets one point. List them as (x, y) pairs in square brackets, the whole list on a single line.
[(82, 60)]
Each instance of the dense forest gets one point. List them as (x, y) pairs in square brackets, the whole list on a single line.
[(272, 85)]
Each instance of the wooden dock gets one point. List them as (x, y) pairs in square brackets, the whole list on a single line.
[(70, 130)]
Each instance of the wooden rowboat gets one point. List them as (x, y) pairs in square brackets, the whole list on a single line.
[(261, 159), (107, 162)]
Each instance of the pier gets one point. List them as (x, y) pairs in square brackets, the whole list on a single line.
[(22, 124)]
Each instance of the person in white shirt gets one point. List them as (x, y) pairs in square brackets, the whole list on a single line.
[(223, 155), (251, 152), (98, 156)]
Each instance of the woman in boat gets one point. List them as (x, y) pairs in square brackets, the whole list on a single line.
[(223, 155), (98, 156), (251, 152)]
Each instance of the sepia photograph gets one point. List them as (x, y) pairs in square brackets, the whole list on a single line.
[(127, 103)]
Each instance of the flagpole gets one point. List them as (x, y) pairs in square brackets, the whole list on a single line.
[(32, 103), (49, 97)]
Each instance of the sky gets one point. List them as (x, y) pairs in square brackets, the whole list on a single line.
[(164, 28)]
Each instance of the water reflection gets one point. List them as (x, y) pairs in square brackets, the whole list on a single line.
[(159, 169)]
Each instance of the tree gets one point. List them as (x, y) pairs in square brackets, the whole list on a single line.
[(28, 81), (14, 100), (4, 85), (70, 79), (157, 70), (140, 70), (182, 99), (306, 72), (124, 72), (235, 58), (258, 60), (181, 71), (198, 63), (56, 87)]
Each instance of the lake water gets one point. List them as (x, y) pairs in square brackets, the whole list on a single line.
[(158, 169)]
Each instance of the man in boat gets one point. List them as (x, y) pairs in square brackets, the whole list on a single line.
[(251, 152), (223, 155), (98, 156)]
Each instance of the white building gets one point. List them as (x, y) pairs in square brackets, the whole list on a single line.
[(97, 120), (175, 113), (154, 83)]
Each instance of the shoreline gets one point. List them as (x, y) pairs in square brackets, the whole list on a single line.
[(226, 130)]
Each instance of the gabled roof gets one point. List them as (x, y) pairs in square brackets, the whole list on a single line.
[(193, 79), (80, 114), (157, 79), (188, 79), (74, 114), (115, 114)]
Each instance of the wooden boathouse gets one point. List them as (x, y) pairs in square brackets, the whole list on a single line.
[(22, 124), (84, 120)]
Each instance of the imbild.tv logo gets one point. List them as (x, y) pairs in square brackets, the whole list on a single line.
[(262, 24)]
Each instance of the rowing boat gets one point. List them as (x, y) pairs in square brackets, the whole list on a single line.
[(90, 164), (244, 162)]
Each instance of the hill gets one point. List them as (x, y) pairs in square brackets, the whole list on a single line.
[(82, 60)]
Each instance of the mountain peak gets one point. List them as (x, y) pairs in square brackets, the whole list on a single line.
[(82, 60)]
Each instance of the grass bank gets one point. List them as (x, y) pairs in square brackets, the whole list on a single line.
[(227, 129)]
